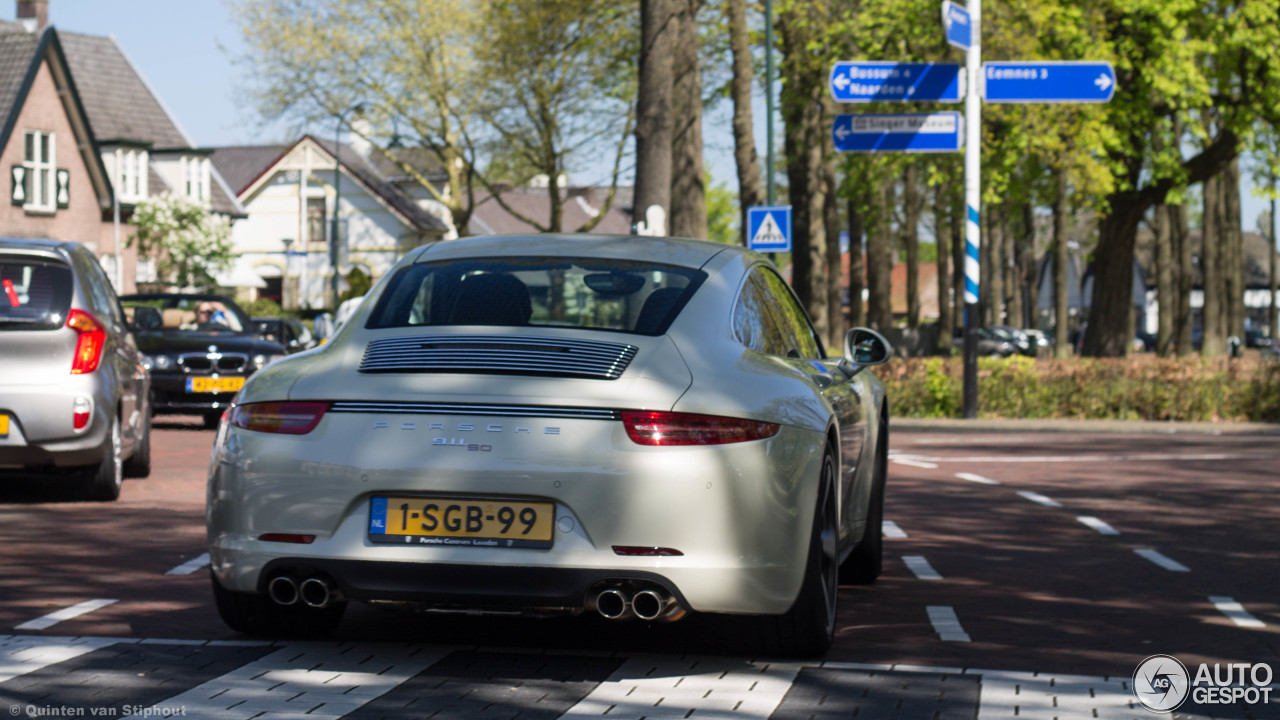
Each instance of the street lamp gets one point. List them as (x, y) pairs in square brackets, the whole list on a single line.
[(337, 197), (284, 283)]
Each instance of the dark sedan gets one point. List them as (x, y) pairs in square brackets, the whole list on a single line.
[(200, 349)]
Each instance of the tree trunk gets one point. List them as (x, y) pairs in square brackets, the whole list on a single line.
[(750, 188), (688, 190), (1166, 295), (958, 221), (880, 262), (1212, 314), (1273, 321), (803, 93), (653, 111), (1233, 237), (831, 224), (1061, 260), (911, 201), (1017, 287), (1111, 307), (942, 220), (993, 273), (857, 227), (1185, 278)]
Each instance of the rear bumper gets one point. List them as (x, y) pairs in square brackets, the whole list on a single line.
[(41, 433)]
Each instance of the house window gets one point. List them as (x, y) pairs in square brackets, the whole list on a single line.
[(38, 160), (132, 174), (316, 220), (196, 178)]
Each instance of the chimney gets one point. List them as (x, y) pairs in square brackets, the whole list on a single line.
[(37, 10)]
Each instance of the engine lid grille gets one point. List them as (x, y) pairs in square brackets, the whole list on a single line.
[(488, 355)]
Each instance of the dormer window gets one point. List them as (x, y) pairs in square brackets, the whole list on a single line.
[(131, 174), (196, 178)]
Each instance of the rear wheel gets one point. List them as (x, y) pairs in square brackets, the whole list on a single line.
[(104, 479), (863, 565), (808, 628), (139, 464), (257, 614)]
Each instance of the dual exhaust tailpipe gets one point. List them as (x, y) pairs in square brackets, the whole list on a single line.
[(313, 592), (651, 603)]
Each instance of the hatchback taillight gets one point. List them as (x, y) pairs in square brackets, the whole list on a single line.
[(290, 418), (91, 337), (672, 428)]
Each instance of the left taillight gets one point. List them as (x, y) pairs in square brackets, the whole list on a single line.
[(289, 418), (89, 341), (672, 428)]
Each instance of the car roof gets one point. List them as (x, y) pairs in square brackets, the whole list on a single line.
[(37, 246), (673, 251)]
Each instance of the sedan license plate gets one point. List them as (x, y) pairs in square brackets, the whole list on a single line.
[(4, 425), (214, 384), (460, 521)]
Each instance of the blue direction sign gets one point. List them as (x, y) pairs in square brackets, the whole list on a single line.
[(896, 82), (916, 132), (1048, 82), (955, 20), (769, 228)]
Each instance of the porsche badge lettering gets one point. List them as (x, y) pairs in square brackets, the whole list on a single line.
[(463, 442)]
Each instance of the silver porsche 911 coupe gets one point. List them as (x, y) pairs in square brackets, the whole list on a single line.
[(636, 427)]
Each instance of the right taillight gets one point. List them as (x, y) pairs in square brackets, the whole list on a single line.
[(89, 341), (290, 418), (672, 428)]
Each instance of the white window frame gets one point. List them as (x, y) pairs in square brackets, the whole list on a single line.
[(195, 178), (35, 164), (131, 174)]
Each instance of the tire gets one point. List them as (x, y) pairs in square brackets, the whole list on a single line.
[(257, 614), (864, 564), (139, 464), (103, 480), (808, 628)]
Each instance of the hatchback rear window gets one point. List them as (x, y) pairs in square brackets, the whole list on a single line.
[(34, 294), (590, 293)]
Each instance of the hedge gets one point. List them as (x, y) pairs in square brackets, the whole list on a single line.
[(1135, 388)]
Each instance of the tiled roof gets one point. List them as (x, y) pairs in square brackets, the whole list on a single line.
[(420, 159), (241, 165), (117, 100), (366, 173), (490, 218), (17, 50)]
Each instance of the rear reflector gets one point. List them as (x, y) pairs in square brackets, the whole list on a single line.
[(290, 418), (645, 551), (88, 343), (81, 409), (287, 538), (671, 428)]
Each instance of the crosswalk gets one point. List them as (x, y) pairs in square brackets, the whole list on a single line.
[(45, 676)]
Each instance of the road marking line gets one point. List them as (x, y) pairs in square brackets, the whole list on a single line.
[(977, 478), (190, 566), (1040, 499), (68, 613), (921, 567), (1143, 457), (1235, 612), (890, 529), (1098, 525), (946, 624), (22, 654), (1162, 560), (914, 463)]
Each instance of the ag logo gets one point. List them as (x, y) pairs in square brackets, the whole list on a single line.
[(1161, 683)]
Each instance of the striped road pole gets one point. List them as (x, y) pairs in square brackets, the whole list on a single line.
[(973, 203)]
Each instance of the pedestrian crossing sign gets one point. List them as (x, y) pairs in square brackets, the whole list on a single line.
[(769, 228)]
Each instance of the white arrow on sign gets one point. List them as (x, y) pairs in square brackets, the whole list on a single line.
[(841, 82), (1103, 82), (842, 132)]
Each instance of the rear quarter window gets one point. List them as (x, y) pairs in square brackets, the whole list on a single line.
[(35, 294)]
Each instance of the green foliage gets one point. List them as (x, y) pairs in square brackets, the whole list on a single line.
[(358, 285), (263, 307), (189, 243), (1139, 388), (722, 213)]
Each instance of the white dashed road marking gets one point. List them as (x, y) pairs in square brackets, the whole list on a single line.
[(977, 478), (921, 567), (946, 624), (1162, 560), (68, 613), (26, 654), (1040, 499), (890, 529), (1098, 525), (1235, 612), (913, 462), (190, 566), (1137, 457)]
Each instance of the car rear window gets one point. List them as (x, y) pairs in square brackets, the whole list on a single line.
[(35, 294), (618, 295)]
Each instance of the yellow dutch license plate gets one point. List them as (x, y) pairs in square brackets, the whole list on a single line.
[(461, 521), (214, 385), (4, 425)]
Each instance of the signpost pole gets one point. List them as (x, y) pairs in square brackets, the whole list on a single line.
[(973, 204)]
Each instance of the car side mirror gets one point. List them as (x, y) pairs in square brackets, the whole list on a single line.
[(864, 346)]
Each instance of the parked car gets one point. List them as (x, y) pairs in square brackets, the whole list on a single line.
[(1017, 337), (74, 390), (289, 332), (593, 424), (199, 348), (990, 343)]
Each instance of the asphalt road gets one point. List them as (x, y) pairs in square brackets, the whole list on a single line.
[(1026, 575)]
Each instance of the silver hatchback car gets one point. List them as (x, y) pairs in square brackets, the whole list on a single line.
[(74, 394)]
